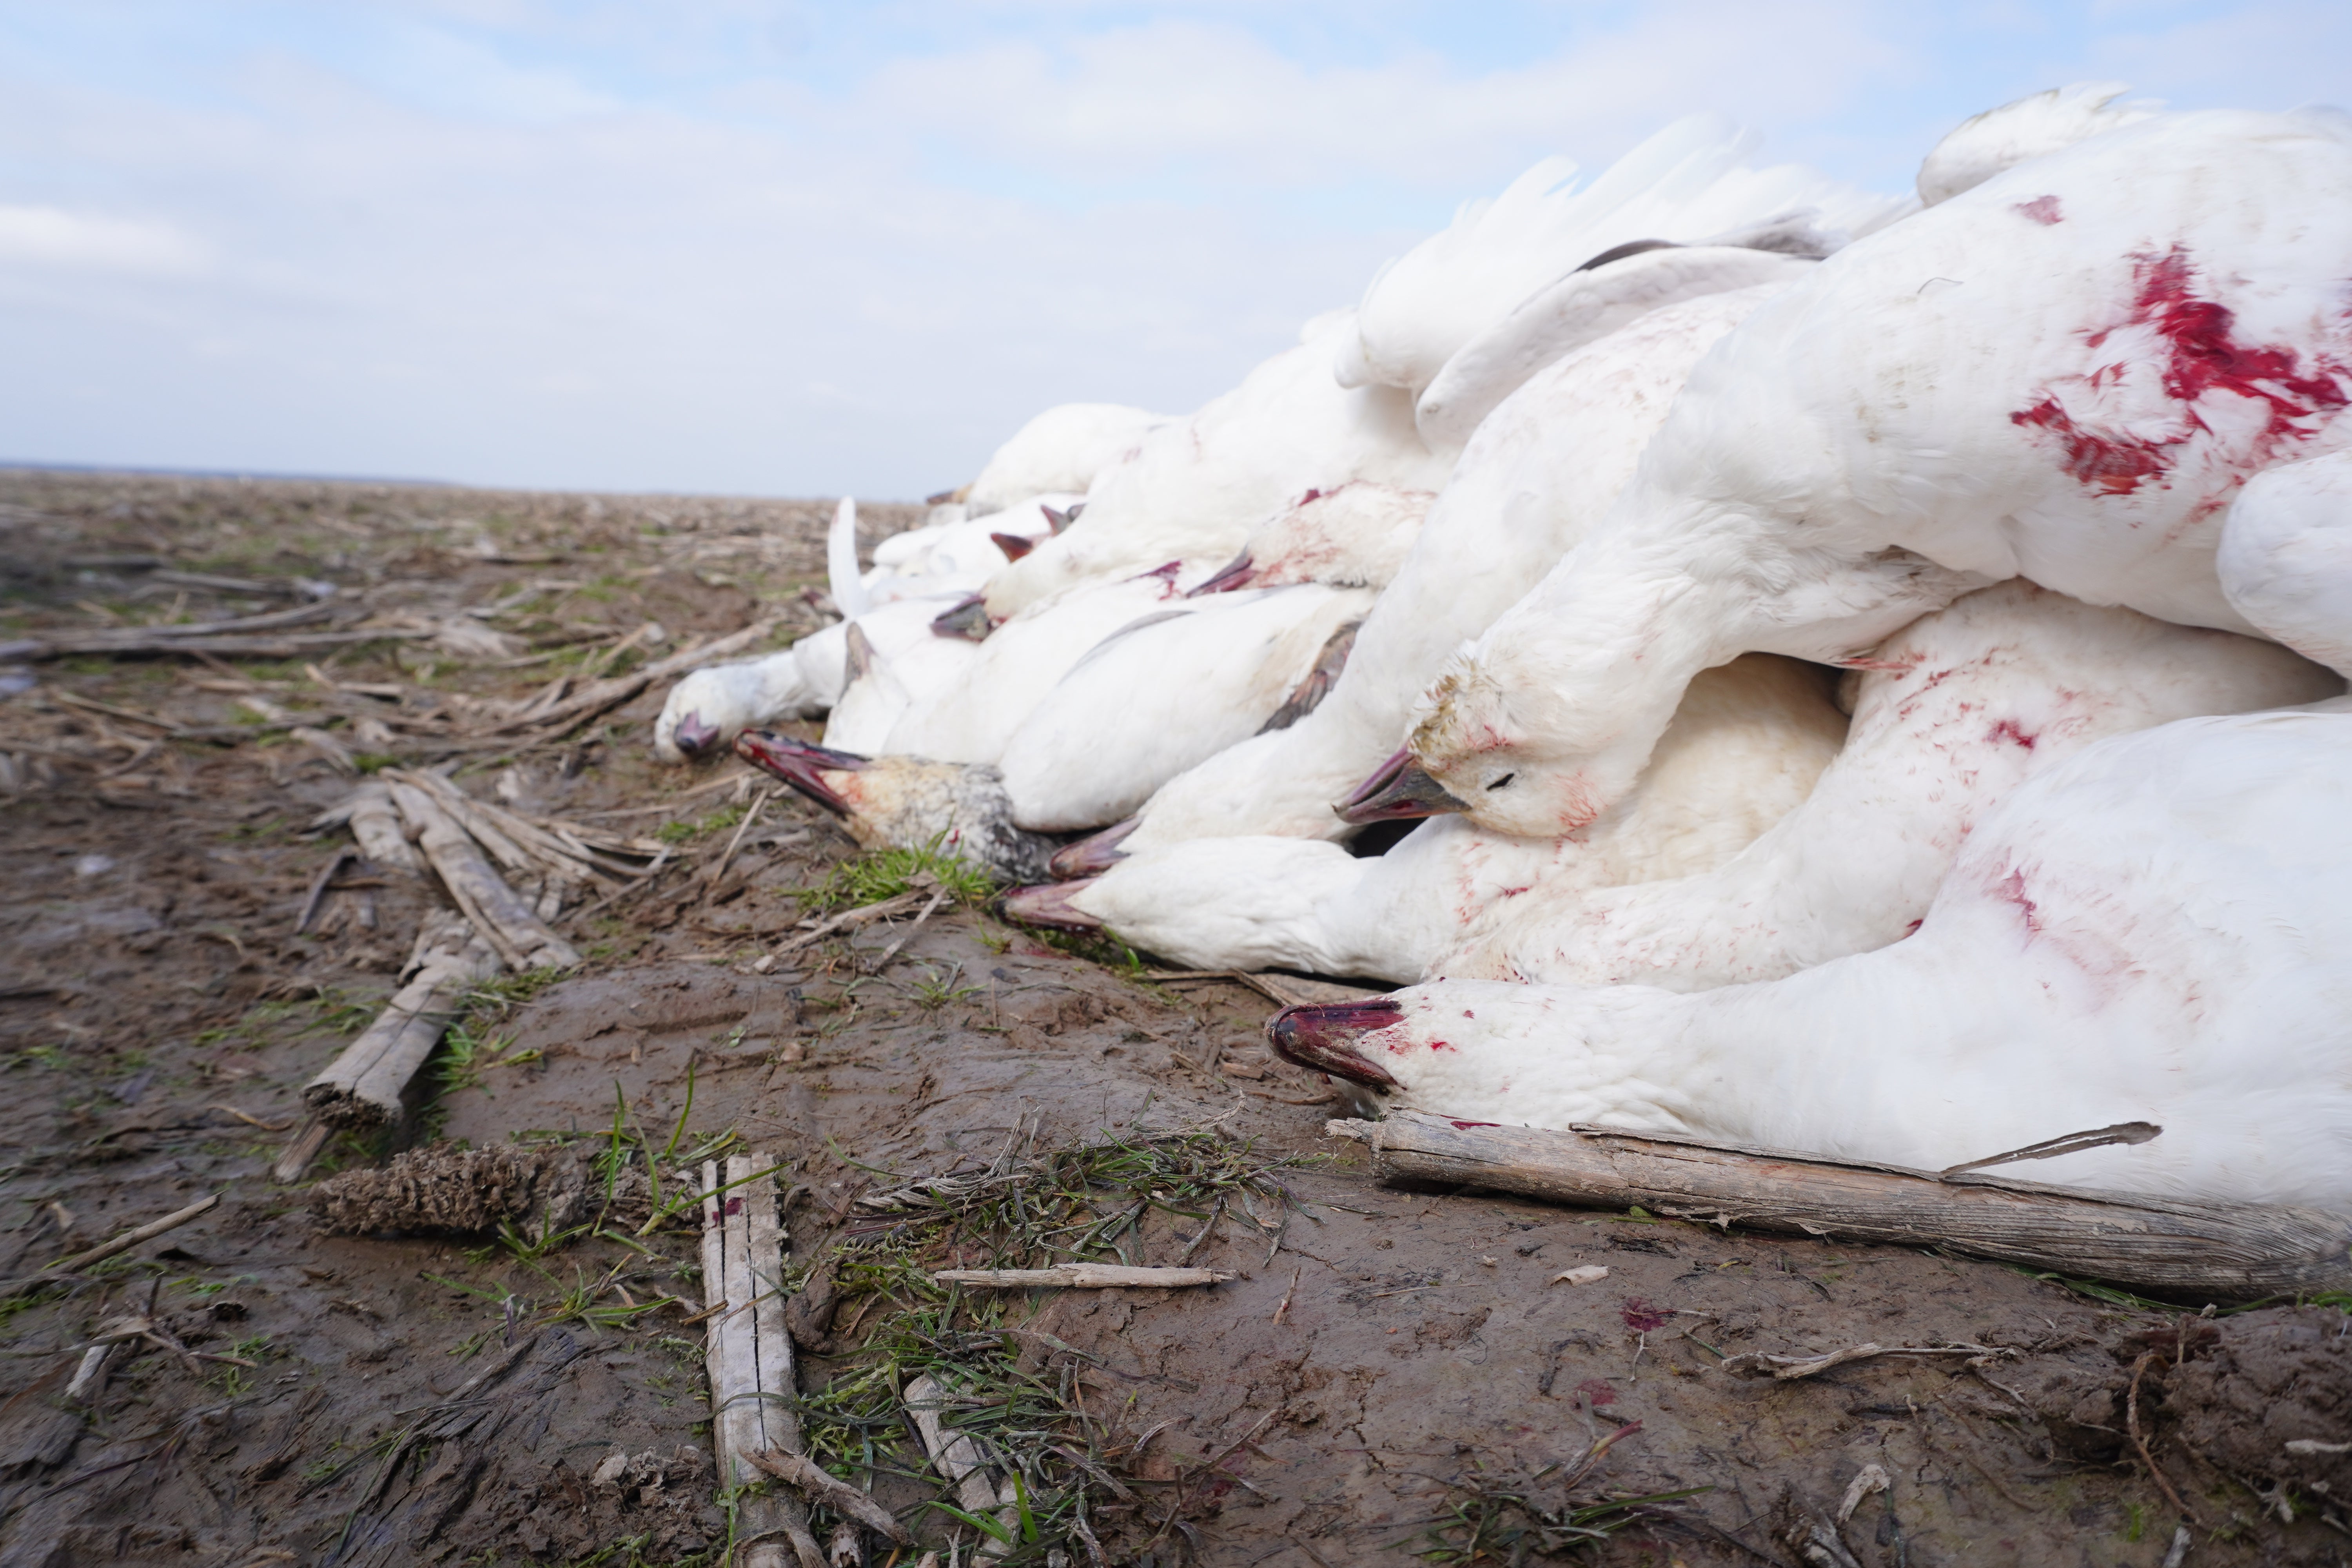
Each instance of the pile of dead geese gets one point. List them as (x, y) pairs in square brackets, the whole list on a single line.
[(1862, 675)]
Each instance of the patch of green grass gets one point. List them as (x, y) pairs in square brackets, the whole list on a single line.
[(933, 991), (466, 1057), (1071, 1465), (686, 830), (51, 1058), (491, 1001), (880, 874), (1501, 1518)]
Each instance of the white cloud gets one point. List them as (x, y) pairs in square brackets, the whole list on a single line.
[(52, 238)]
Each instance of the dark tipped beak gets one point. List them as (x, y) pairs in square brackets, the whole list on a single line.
[(799, 764), (968, 620), (1095, 854), (1048, 904), (1398, 789), (1234, 575), (1320, 1037), (1012, 544), (694, 737)]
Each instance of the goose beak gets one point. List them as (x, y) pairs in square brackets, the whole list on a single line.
[(800, 766), (1318, 1037), (1233, 575), (1398, 788), (693, 736), (968, 620), (1093, 854), (1048, 904)]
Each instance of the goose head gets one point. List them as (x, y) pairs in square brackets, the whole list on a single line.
[(1525, 1056), (1493, 740), (703, 711)]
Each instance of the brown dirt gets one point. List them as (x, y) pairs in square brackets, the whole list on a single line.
[(158, 1017)]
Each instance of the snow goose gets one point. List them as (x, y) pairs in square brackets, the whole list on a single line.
[(897, 803), (710, 707), (2065, 373), (2286, 557), (1154, 695), (1950, 715), (1357, 536), (2152, 929), (1541, 469), (1060, 450), (1688, 182), (1746, 747), (1194, 488), (1584, 307), (957, 557), (1167, 692), (1984, 144)]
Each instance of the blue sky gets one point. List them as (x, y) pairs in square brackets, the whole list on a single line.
[(753, 245)]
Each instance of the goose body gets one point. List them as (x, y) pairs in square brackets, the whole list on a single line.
[(1001, 681), (708, 708), (1951, 714), (2285, 559), (1193, 489), (1357, 536), (1541, 469), (1059, 451), (1582, 308), (1749, 741), (1165, 693), (957, 557), (1688, 182), (2151, 929), (2063, 373), (2031, 127)]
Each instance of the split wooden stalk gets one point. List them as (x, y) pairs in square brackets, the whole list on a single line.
[(598, 695), (1081, 1275), (958, 1457), (2217, 1252), (364, 1086), (748, 1352), (502, 915)]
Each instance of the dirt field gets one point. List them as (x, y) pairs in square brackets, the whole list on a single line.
[(1389, 1378)]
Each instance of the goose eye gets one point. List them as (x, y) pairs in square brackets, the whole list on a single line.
[(1500, 783)]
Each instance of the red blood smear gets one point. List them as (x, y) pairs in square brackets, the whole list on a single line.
[(2012, 888), (1463, 1125), (2202, 358), (1596, 1392), (1640, 1316), (2042, 210), (734, 1206), (2006, 730)]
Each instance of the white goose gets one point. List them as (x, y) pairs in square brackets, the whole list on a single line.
[(1541, 469), (1746, 746), (1688, 182), (1150, 698), (931, 569), (2151, 930), (1951, 714), (1357, 536), (1060, 450), (2286, 557), (2065, 373), (1983, 145)]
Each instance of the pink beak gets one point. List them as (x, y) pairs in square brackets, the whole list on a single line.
[(1318, 1037)]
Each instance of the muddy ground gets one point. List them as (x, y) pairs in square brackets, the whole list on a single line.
[(1386, 1369)]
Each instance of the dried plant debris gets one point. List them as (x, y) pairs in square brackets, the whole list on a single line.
[(469, 1190), (1495, 1516), (1049, 1423)]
